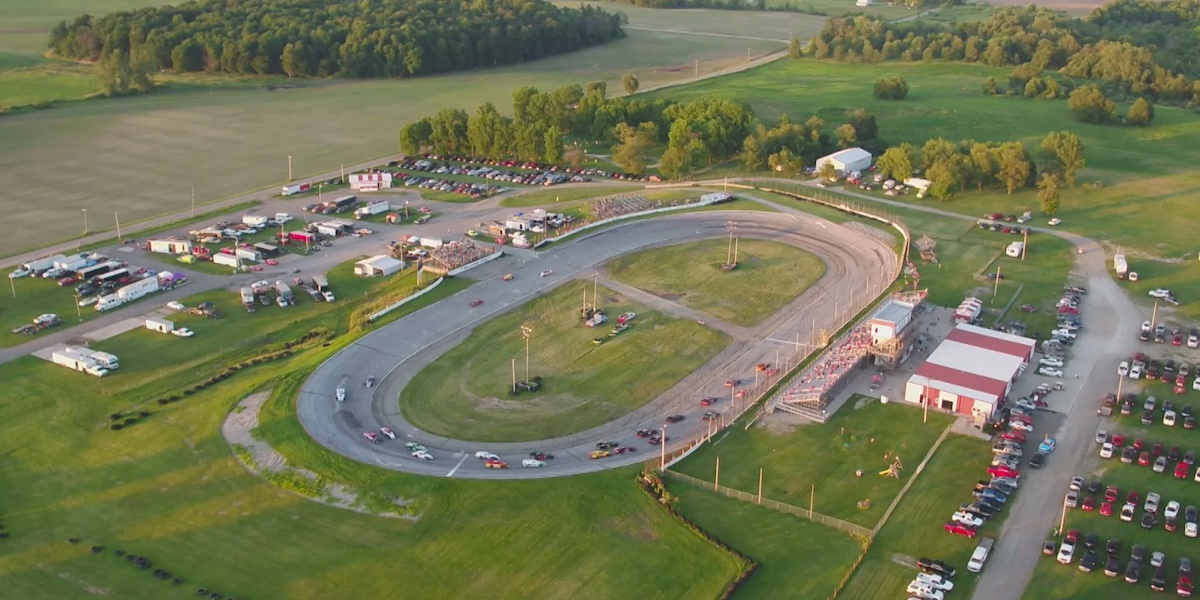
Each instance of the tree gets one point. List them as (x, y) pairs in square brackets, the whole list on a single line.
[(1063, 154), (937, 150), (1013, 166), (629, 153), (827, 171), (631, 84), (896, 162), (552, 141), (115, 74), (482, 129), (891, 88), (521, 101), (946, 176), (795, 48), (846, 135), (864, 124), (984, 164), (575, 157), (785, 162), (415, 136), (1089, 105), (1140, 114), (449, 135), (989, 86), (1048, 187)]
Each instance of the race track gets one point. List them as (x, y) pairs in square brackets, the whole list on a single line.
[(855, 263)]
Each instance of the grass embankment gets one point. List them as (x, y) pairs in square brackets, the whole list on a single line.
[(769, 276), (465, 392), (794, 460)]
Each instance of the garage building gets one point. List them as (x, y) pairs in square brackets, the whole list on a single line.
[(847, 161), (971, 371), (378, 266)]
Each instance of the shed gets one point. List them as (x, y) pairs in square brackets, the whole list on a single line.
[(377, 266), (848, 160), (160, 325)]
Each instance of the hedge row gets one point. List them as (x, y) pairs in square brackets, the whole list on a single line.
[(653, 486)]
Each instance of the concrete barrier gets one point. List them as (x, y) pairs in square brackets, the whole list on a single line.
[(487, 259), (422, 292), (602, 222)]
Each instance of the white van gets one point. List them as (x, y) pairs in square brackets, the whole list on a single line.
[(1015, 249), (980, 555), (341, 394)]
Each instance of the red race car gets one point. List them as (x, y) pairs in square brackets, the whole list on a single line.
[(960, 529), (1181, 470), (1118, 440)]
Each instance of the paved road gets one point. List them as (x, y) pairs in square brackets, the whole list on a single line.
[(396, 352)]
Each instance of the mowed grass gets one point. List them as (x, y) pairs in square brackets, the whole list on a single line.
[(465, 393), (549, 197), (1147, 174), (797, 558), (827, 456), (915, 529), (1181, 277), (769, 276), (23, 87), (142, 155)]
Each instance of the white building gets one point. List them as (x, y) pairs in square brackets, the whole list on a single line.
[(848, 160), (370, 182), (377, 266), (971, 372)]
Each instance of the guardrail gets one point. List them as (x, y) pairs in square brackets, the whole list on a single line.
[(603, 222), (406, 300)]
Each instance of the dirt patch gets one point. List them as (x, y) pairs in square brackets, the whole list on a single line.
[(263, 460), (781, 423), (669, 297), (639, 526), (543, 405), (87, 587)]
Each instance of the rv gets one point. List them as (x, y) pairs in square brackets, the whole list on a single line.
[(78, 361), (1015, 249), (104, 359), (109, 302), (138, 289)]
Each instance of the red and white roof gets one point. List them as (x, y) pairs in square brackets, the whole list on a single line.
[(975, 362)]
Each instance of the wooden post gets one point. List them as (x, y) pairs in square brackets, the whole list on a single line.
[(1025, 245), (996, 288), (1062, 522), (925, 418), (812, 500), (717, 475), (662, 460), (760, 476), (514, 374)]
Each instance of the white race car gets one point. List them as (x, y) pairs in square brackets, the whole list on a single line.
[(485, 455), (176, 305), (423, 455), (546, 273), (371, 436), (391, 435)]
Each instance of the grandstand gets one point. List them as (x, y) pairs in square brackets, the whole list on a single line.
[(453, 255)]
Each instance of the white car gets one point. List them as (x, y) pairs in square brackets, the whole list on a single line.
[(1066, 553), (391, 435), (1151, 505), (1160, 293), (1020, 426), (485, 455), (1063, 333), (1172, 510), (1051, 362), (176, 305), (89, 301), (423, 455), (546, 273), (1106, 451), (1123, 369), (1136, 373), (1196, 384), (1190, 529), (1050, 372), (978, 557), (1055, 222), (1169, 418), (967, 519), (260, 284), (328, 296), (19, 273), (928, 592), (183, 332), (1147, 327), (935, 581), (533, 463)]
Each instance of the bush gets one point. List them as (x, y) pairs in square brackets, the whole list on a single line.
[(116, 427), (162, 401), (891, 88), (115, 416), (130, 421), (1090, 105)]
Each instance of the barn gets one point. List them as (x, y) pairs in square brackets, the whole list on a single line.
[(971, 371), (847, 161)]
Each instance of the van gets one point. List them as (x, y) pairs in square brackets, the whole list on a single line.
[(1015, 249), (980, 555), (341, 394)]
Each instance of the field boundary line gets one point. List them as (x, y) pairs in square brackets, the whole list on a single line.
[(815, 517), (908, 484)]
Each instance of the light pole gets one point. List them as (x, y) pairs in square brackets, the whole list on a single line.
[(193, 201), (526, 332), (78, 311), (319, 186), (289, 167), (662, 458), (117, 217), (85, 223), (595, 287)]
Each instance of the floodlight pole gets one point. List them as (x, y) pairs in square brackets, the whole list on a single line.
[(595, 288), (193, 201), (662, 459), (1062, 521), (117, 217), (85, 223), (514, 374), (996, 287), (735, 249), (13, 284), (760, 478), (1154, 314), (717, 475), (78, 311), (526, 332), (289, 167)]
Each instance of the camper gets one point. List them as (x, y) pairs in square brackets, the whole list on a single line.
[(169, 246), (75, 360), (247, 295), (1120, 266), (104, 359), (248, 254), (138, 289), (374, 208), (109, 302), (1015, 249), (298, 188), (159, 325), (320, 283)]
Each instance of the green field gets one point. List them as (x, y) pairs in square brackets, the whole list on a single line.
[(826, 456), (1147, 173), (769, 276), (797, 558), (464, 393), (23, 87)]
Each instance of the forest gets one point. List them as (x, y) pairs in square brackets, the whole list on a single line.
[(324, 38), (1132, 47)]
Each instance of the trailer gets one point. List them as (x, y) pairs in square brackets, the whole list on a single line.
[(228, 260), (43, 264), (255, 220), (169, 246), (298, 188), (97, 270), (1120, 266), (73, 264), (104, 359), (113, 275), (77, 361), (320, 283), (160, 325), (373, 208), (284, 291), (432, 242), (248, 254), (109, 302), (138, 289), (247, 295), (303, 236)]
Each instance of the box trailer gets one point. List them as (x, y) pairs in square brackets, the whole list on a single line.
[(43, 264), (1120, 266), (160, 325), (374, 208), (138, 289), (169, 246), (284, 290), (432, 242), (297, 188), (109, 302), (104, 359), (320, 283), (77, 361), (247, 296), (302, 236), (255, 220), (227, 259), (248, 254), (73, 263)]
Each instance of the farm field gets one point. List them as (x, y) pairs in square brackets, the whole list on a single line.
[(769, 276), (795, 459), (797, 558), (1144, 170), (465, 393), (142, 155)]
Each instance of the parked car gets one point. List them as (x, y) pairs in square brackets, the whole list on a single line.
[(960, 529)]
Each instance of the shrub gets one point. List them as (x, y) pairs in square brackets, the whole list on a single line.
[(116, 426), (891, 88)]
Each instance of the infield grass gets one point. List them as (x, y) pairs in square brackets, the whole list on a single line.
[(550, 197), (796, 458), (769, 275), (465, 392), (797, 558)]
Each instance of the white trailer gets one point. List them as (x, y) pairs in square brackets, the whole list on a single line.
[(432, 243), (298, 188), (138, 289), (373, 208), (320, 283), (169, 246), (160, 325), (43, 264), (78, 362), (248, 254), (104, 359), (228, 260), (1120, 266), (109, 302), (255, 220), (283, 289), (247, 296), (72, 264)]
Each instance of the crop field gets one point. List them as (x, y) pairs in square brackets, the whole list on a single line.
[(1147, 179), (142, 155), (797, 558), (769, 276), (826, 456), (465, 392)]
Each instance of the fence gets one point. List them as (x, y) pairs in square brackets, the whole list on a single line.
[(406, 300), (472, 265), (804, 513), (603, 222)]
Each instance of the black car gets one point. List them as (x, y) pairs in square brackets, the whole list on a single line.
[(1133, 572), (1167, 404), (1095, 486), (990, 503), (1049, 547), (1148, 521), (1173, 454), (1158, 582), (980, 509), (1002, 487), (1148, 417), (1112, 568), (1137, 553), (1185, 567), (928, 565), (1186, 411), (1189, 423), (1144, 336), (1088, 563), (1091, 540), (1189, 514), (675, 418), (1037, 460), (1189, 457), (1128, 455), (1112, 547)]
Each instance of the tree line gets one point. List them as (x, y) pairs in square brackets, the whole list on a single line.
[(366, 38), (1034, 39)]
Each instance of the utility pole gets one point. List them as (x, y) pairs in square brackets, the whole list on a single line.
[(289, 167), (526, 332), (319, 186), (1025, 244), (13, 284), (117, 217), (662, 457), (697, 68), (193, 201), (1062, 521), (1154, 314), (85, 223), (595, 288), (925, 417), (514, 374), (760, 476), (996, 287), (717, 475)]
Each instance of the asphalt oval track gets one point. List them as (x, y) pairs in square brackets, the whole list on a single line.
[(855, 261)]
